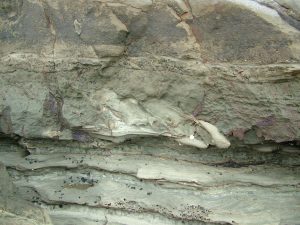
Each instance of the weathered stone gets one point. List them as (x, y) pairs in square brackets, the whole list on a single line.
[(13, 209), (132, 92)]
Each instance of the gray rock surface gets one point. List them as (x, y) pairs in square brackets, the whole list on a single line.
[(197, 102), (235, 62), (13, 209), (157, 182)]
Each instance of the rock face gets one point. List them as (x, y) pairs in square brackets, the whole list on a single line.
[(152, 111), (14, 210), (130, 68)]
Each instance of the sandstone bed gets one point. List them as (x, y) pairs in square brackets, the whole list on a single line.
[(141, 112)]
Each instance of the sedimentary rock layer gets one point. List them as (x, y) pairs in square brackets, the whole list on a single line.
[(152, 111), (234, 64), (141, 184)]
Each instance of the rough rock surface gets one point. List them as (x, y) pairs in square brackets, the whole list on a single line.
[(153, 111), (13, 209)]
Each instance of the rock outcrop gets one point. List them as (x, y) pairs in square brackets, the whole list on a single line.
[(153, 111), (13, 209)]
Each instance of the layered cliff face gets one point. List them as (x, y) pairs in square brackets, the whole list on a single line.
[(152, 111), (14, 209)]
